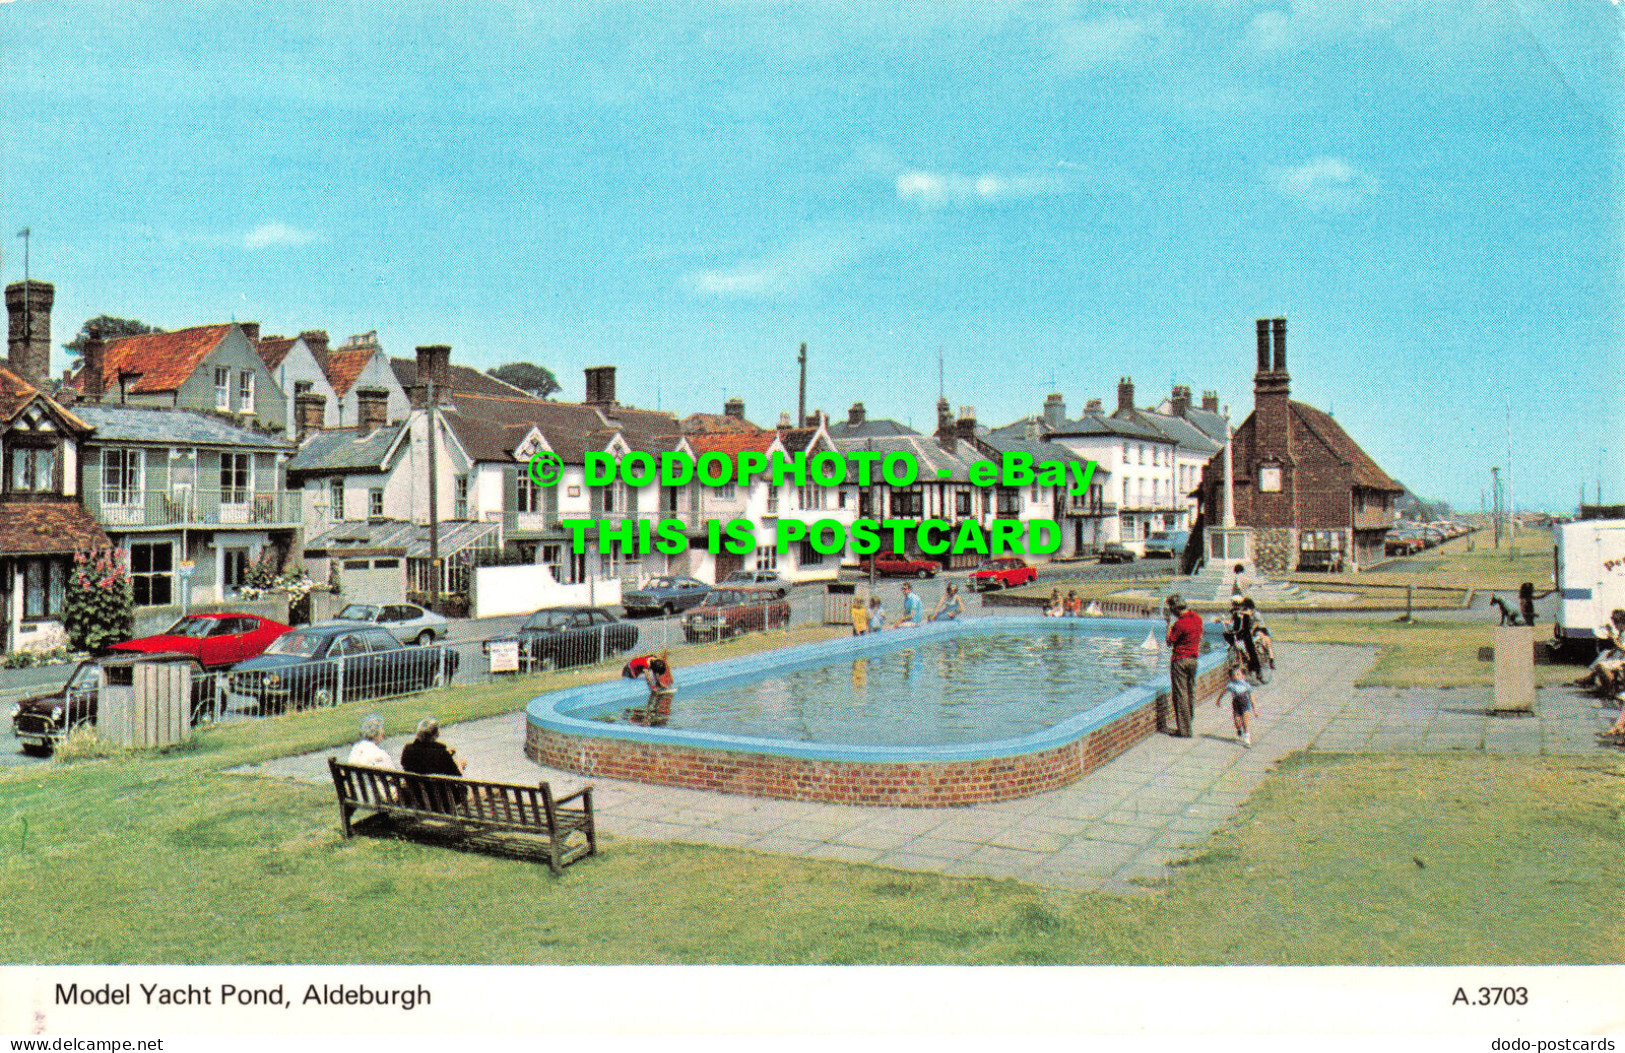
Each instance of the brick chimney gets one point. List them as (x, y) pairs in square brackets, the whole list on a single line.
[(1272, 426), (734, 409), (1181, 400), (28, 350), (434, 366), (857, 415), (1093, 406), (1210, 401), (1263, 345), (965, 426), (316, 340), (372, 408), (1125, 394), (252, 331), (601, 387), (1280, 345), (309, 408), (945, 415), (1054, 411), (93, 355)]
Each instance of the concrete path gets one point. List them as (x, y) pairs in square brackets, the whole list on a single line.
[(1112, 829)]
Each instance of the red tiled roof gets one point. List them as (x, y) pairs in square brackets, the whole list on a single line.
[(163, 360), (713, 423), (37, 528), (345, 365), (1365, 471), (16, 393), (273, 349), (733, 443)]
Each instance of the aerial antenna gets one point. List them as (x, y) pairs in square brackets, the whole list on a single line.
[(801, 403), (942, 386)]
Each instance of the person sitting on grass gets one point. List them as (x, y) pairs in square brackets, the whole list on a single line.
[(949, 607), (1056, 606), (1241, 702), (369, 752), (913, 610), (1074, 604)]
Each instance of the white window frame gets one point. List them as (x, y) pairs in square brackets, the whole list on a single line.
[(767, 557), (222, 388), (245, 391)]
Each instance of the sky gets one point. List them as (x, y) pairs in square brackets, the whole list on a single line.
[(1043, 196)]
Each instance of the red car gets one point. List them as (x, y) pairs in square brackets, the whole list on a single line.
[(216, 640), (891, 565), (1002, 573)]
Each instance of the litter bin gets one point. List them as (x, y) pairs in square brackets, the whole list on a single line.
[(146, 700)]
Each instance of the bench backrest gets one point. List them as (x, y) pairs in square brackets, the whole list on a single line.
[(496, 802)]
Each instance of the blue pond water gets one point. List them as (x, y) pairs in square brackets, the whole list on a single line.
[(946, 691)]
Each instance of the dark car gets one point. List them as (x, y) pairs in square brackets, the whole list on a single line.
[(1002, 572), (892, 565), (555, 637), (1166, 544), (1114, 552), (730, 611), (216, 640), (665, 594), (325, 665), (756, 579), (41, 721)]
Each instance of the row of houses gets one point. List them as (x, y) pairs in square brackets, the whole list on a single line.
[(207, 450)]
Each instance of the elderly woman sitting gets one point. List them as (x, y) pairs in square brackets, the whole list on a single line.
[(369, 752)]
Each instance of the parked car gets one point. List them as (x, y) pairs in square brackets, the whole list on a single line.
[(891, 565), (1114, 552), (1003, 572), (1402, 543), (731, 611), (41, 721), (555, 637), (758, 579), (218, 640), (406, 620), (666, 594), (1166, 544), (325, 665)]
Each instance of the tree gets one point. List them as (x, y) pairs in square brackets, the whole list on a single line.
[(112, 329), (538, 380)]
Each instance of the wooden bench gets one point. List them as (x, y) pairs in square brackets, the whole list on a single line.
[(471, 804)]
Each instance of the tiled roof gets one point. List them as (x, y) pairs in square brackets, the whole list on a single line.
[(171, 427), (733, 443), (845, 429), (38, 528), (928, 453), (164, 360), (1179, 430), (570, 428), (711, 423), (345, 450), (464, 380), (1040, 450), (1096, 424), (273, 349), (1365, 471), (797, 440), (16, 394), (345, 365)]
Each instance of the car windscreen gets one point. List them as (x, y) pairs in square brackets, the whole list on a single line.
[(547, 619), (661, 583), (359, 612), (304, 645), (1158, 535), (193, 627)]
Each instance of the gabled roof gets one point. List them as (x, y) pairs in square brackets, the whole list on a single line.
[(1040, 450), (845, 429), (346, 450), (491, 426), (464, 380), (710, 423), (928, 453), (1208, 423), (344, 365), (1179, 430), (164, 361), (1365, 471), (171, 427), (734, 443), (273, 349), (1089, 425), (17, 394)]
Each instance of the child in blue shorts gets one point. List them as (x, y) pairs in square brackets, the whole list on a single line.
[(1241, 702)]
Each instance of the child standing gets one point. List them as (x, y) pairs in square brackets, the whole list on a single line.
[(1241, 702)]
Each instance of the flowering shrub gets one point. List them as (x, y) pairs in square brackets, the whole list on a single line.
[(262, 580), (99, 608)]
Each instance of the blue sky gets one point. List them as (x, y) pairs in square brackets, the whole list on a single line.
[(1052, 194)]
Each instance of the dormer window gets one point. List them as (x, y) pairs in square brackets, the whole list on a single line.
[(32, 469)]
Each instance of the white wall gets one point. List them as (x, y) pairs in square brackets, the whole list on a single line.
[(522, 589)]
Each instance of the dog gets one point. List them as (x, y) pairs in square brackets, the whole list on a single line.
[(1508, 615)]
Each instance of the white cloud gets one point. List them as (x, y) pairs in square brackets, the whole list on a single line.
[(1113, 40), (1270, 31), (1324, 183), (787, 272), (276, 233), (936, 189)]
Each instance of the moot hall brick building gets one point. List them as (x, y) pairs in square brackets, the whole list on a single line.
[(1313, 498)]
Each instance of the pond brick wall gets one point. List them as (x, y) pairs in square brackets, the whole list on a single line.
[(937, 784)]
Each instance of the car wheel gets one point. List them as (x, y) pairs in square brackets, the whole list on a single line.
[(668, 610), (922, 574), (37, 749), (322, 697), (425, 638)]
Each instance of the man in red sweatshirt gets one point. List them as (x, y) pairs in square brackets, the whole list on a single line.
[(1185, 641)]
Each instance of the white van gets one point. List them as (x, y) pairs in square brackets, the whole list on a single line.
[(1590, 577)]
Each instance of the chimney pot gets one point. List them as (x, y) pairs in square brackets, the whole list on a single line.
[(434, 366), (734, 408), (1280, 345), (316, 340), (29, 347), (1054, 410), (1092, 406), (1263, 345), (1125, 394), (372, 408), (309, 408), (600, 386), (1210, 401), (857, 414), (965, 426), (1181, 400)]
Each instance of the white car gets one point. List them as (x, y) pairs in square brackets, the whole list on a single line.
[(406, 620), (756, 579)]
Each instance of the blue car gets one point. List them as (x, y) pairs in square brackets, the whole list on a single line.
[(327, 665), (665, 594), (1168, 544)]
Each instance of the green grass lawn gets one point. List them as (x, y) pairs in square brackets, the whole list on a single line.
[(165, 859), (1418, 653), (1481, 566)]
